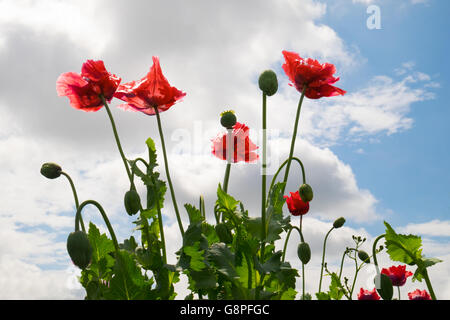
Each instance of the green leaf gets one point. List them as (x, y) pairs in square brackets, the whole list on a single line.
[(223, 259), (289, 294), (129, 245), (403, 248), (197, 259), (273, 264), (336, 289), (101, 245), (204, 279), (226, 201), (194, 214), (322, 296)]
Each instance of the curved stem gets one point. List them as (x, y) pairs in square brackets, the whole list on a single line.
[(398, 289), (323, 258), (166, 164), (281, 167), (111, 232), (75, 196), (374, 251), (294, 136), (342, 263), (116, 136)]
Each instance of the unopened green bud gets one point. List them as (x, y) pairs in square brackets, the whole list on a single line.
[(384, 286), (132, 202), (79, 249), (339, 222), (51, 170), (268, 82), (304, 252), (228, 119), (306, 192), (363, 256)]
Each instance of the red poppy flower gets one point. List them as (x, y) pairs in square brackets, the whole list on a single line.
[(368, 295), (243, 149), (83, 90), (419, 295), (296, 205), (318, 78), (151, 91), (397, 275)]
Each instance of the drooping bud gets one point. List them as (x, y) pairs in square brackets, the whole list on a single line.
[(132, 202), (224, 233), (363, 256), (306, 192), (268, 82), (384, 286), (339, 222), (304, 252), (51, 170), (79, 249), (228, 119)]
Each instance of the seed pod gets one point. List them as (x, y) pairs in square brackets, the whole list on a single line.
[(228, 119), (384, 286), (363, 256), (339, 222), (132, 202), (51, 170), (268, 82), (306, 192), (79, 249), (304, 252), (224, 233)]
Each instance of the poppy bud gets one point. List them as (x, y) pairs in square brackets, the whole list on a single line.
[(268, 82), (51, 170), (132, 202), (363, 256), (79, 249), (223, 233), (339, 222), (306, 192), (304, 252), (228, 119), (384, 286)]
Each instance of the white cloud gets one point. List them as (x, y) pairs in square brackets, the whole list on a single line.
[(433, 228), (216, 58)]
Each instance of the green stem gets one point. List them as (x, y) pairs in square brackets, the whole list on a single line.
[(75, 196), (226, 177), (158, 209), (294, 135), (374, 251), (105, 218), (356, 274), (428, 282), (281, 167), (166, 164), (263, 181), (303, 265), (323, 258), (111, 232), (398, 289), (342, 263), (116, 136)]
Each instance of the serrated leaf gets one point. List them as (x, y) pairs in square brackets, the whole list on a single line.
[(194, 214), (402, 248), (226, 201), (101, 245), (289, 294), (223, 259), (196, 262), (273, 264)]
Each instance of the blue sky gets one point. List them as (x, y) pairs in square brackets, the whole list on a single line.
[(408, 172), (378, 153)]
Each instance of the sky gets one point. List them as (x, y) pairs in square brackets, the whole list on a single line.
[(378, 153)]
